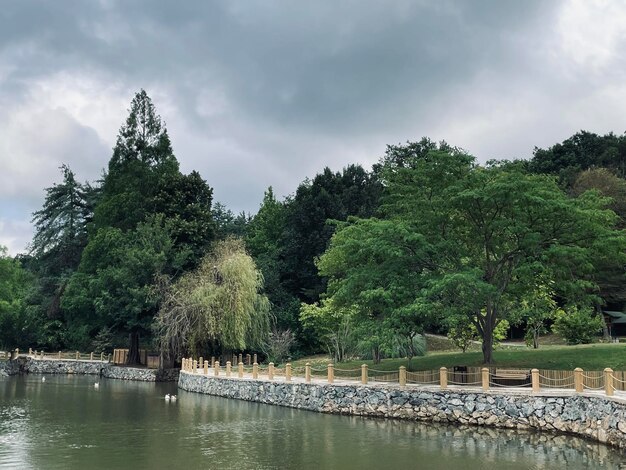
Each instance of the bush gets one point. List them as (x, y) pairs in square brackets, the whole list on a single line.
[(577, 326)]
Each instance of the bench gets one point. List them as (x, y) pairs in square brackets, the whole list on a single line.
[(511, 377)]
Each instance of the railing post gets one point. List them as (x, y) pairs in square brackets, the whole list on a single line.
[(205, 367), (109, 357), (443, 378), (240, 358), (41, 357), (77, 355), (307, 372), (578, 379), (402, 376), (248, 359), (331, 373), (59, 354), (255, 358), (30, 351), (200, 361), (608, 381), (288, 372), (102, 356), (364, 374), (195, 367), (485, 377), (91, 356), (270, 371), (534, 377), (255, 371), (227, 368), (217, 368), (240, 370)]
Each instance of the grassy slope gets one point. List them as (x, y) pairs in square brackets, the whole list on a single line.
[(589, 357)]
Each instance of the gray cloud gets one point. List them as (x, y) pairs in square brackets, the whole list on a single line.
[(265, 93)]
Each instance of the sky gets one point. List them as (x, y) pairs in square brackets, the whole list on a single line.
[(262, 92)]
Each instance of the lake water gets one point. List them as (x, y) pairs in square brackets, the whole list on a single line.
[(65, 423)]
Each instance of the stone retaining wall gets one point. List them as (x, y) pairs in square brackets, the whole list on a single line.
[(28, 365), (597, 418), (145, 375)]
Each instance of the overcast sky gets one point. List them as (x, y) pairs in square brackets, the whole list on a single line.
[(259, 93)]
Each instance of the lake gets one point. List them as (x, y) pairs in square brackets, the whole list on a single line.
[(66, 423)]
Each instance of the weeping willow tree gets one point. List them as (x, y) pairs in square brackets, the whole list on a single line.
[(217, 308)]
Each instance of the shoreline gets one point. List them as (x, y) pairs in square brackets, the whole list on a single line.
[(29, 365), (587, 415)]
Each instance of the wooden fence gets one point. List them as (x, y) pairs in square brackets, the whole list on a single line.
[(534, 380)]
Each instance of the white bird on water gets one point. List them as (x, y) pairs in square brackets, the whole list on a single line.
[(43, 379), (96, 385), (173, 397), (167, 397)]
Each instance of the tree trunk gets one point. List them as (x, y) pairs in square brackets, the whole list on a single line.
[(133, 350), (488, 344), (535, 339)]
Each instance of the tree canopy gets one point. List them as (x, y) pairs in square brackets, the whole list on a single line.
[(472, 240)]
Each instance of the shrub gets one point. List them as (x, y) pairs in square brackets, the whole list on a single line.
[(577, 326)]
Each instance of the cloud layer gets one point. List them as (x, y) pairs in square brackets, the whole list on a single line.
[(265, 93)]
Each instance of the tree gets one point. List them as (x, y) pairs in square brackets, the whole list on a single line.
[(59, 240), (216, 308), (16, 326), (581, 151), (263, 240), (474, 240), (329, 196), (143, 191), (227, 223), (370, 265), (333, 327), (113, 287)]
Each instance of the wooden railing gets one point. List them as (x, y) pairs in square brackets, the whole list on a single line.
[(606, 381)]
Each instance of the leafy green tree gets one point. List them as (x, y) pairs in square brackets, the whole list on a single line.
[(329, 196), (217, 308), (332, 326), (263, 239), (581, 151), (474, 241), (16, 325), (113, 287), (151, 220)]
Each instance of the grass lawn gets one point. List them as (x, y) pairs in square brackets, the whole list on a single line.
[(588, 357)]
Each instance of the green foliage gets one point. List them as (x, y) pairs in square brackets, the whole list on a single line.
[(16, 321), (577, 325), (332, 327), (329, 196), (228, 224), (464, 333), (470, 242), (581, 151), (218, 306), (114, 284), (151, 220)]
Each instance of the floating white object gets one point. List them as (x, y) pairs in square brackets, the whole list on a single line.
[(167, 397), (173, 397), (96, 385), (43, 379)]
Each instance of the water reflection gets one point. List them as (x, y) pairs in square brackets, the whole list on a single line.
[(66, 423)]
